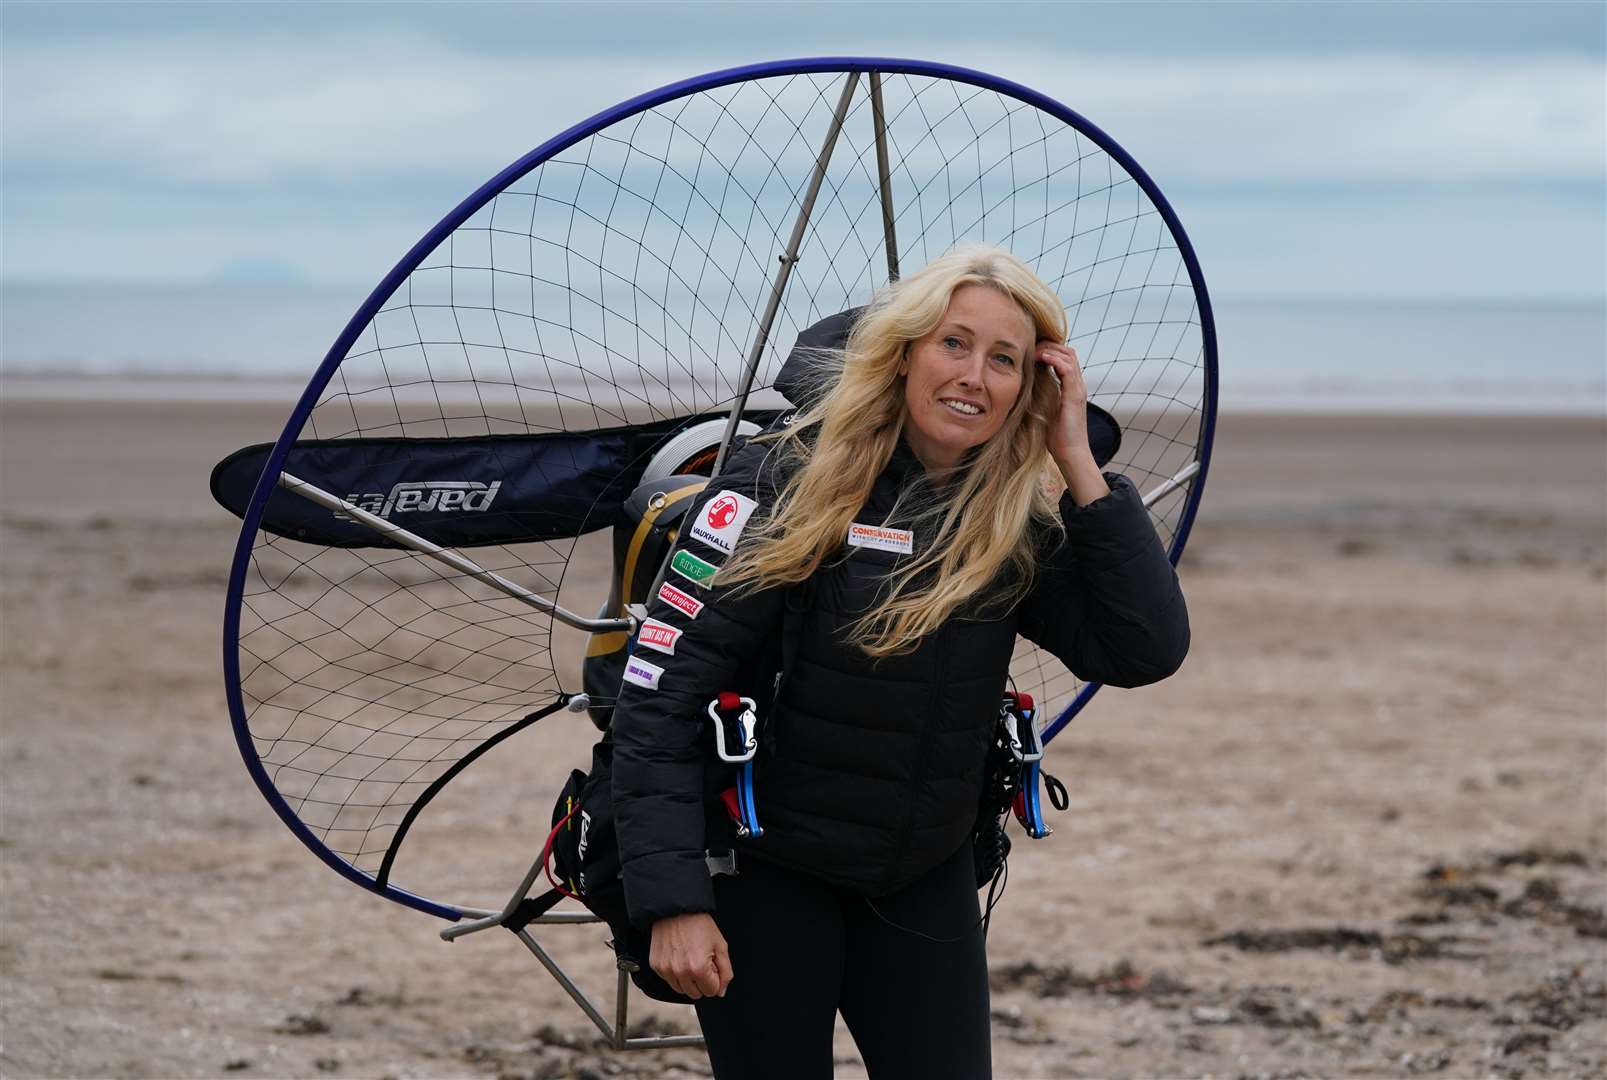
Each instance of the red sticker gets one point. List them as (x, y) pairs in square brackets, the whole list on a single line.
[(679, 600), (660, 637)]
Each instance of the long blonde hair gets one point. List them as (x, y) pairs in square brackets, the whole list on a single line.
[(977, 525)]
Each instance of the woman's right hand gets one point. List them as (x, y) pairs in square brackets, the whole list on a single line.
[(689, 953)]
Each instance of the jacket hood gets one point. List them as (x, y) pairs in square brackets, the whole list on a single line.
[(814, 361)]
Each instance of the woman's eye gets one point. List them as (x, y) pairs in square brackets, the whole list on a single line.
[(951, 342), (1006, 359)]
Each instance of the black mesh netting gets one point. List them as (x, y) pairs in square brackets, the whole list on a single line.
[(622, 281)]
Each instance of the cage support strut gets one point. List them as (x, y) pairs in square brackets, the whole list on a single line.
[(779, 288), (460, 563)]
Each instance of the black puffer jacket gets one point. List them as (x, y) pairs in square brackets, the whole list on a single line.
[(867, 775)]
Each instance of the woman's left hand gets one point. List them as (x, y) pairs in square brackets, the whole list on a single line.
[(1068, 436)]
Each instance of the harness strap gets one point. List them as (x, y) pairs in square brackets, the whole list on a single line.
[(532, 908), (794, 605)]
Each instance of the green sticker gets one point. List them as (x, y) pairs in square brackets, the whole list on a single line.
[(692, 568)]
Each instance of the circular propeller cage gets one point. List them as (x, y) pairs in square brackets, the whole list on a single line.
[(618, 275)]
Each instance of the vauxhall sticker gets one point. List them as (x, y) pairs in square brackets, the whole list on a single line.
[(658, 636), (881, 538), (642, 673), (721, 521), (443, 496), (696, 570), (679, 600)]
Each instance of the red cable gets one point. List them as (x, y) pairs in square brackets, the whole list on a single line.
[(546, 853)]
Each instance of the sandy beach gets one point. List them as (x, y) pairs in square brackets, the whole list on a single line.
[(1363, 832)]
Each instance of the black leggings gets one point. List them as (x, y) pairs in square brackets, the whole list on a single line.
[(801, 949)]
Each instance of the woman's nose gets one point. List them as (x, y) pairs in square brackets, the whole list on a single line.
[(972, 373)]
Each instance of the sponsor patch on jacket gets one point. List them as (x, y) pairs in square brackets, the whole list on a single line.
[(682, 602), (658, 636), (642, 673), (881, 538), (720, 521), (696, 570)]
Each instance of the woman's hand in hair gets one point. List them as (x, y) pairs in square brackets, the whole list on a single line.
[(1068, 437), (690, 954)]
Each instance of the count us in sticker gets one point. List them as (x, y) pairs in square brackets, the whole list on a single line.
[(881, 538), (658, 636)]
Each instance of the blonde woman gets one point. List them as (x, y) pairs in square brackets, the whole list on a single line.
[(863, 574)]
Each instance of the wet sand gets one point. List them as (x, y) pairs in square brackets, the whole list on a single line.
[(1363, 832)]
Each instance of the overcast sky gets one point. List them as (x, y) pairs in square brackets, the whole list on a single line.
[(1391, 149)]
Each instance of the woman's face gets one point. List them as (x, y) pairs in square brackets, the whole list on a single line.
[(963, 377)]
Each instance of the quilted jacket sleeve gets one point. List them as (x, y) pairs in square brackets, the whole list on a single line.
[(661, 734), (1106, 601)]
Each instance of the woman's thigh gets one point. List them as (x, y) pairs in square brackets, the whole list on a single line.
[(916, 1007), (785, 935)]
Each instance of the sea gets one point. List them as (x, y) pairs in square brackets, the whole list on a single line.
[(1302, 354)]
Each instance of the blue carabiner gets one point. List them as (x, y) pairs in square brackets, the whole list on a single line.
[(750, 811), (746, 737), (1026, 746)]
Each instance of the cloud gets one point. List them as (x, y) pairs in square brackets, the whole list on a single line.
[(230, 111), (175, 155), (1348, 119), (269, 109)]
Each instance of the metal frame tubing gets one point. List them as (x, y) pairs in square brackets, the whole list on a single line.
[(779, 288), (460, 563), (883, 176), (615, 1032)]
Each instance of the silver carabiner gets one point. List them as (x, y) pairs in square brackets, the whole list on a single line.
[(1026, 744), (747, 728)]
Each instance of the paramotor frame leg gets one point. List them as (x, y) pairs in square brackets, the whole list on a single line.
[(615, 1032)]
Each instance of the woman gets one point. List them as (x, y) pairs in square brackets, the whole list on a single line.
[(881, 553)]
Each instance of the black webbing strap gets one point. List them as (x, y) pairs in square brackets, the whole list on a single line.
[(794, 606), (1057, 791), (532, 908), (384, 875)]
